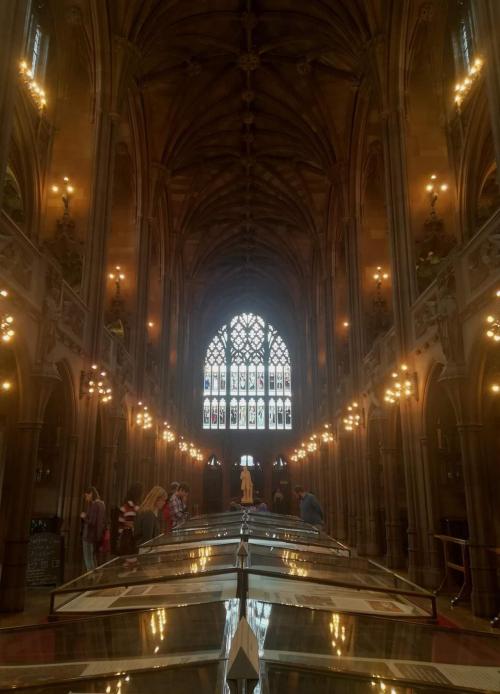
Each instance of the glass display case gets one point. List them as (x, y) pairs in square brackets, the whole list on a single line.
[(385, 649), (126, 643), (323, 621)]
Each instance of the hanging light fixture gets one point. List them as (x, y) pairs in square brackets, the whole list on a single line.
[(326, 434), (144, 418), (352, 419), (7, 331), (403, 386), (167, 434), (95, 383), (464, 87), (36, 92)]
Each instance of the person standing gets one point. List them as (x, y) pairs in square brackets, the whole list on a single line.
[(167, 518), (178, 505), (260, 506), (310, 509), (126, 519), (94, 524), (278, 501), (147, 521)]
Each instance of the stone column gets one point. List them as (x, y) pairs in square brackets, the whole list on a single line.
[(432, 571), (13, 16), (267, 492), (226, 484), (20, 492), (487, 19), (140, 329), (479, 515), (404, 291), (339, 494), (479, 511), (69, 509), (393, 530)]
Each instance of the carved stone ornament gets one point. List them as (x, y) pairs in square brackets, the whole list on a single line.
[(73, 316), (448, 320), (193, 68), (51, 316), (483, 260), (425, 318), (15, 261), (304, 67), (249, 61), (249, 20), (68, 251), (248, 96), (432, 250)]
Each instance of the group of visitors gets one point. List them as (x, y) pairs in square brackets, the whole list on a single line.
[(309, 507), (139, 520)]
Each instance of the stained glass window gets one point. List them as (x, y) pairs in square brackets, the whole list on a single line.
[(247, 378)]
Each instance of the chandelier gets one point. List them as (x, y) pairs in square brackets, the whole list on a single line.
[(352, 420), (95, 384), (402, 387), (144, 418), (6, 321)]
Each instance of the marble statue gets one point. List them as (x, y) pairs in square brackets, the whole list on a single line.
[(246, 486)]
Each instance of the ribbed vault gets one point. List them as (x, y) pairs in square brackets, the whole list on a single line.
[(248, 104)]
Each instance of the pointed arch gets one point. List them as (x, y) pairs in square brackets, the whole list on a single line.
[(248, 361)]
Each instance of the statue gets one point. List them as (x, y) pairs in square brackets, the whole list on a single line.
[(246, 486)]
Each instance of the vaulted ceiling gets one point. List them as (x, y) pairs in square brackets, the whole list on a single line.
[(249, 108)]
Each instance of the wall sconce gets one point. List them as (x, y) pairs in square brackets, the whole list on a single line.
[(495, 388), (353, 418), (67, 192), (404, 386), (493, 331), (493, 324), (464, 87), (434, 188), (7, 331), (346, 324), (94, 383), (36, 92), (380, 312), (379, 276), (117, 276), (144, 418), (151, 324), (6, 386)]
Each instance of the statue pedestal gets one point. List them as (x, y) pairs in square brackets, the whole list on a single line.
[(247, 503)]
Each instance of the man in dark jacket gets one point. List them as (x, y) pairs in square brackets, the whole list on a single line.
[(310, 509)]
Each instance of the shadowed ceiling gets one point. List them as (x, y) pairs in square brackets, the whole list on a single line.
[(249, 105)]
